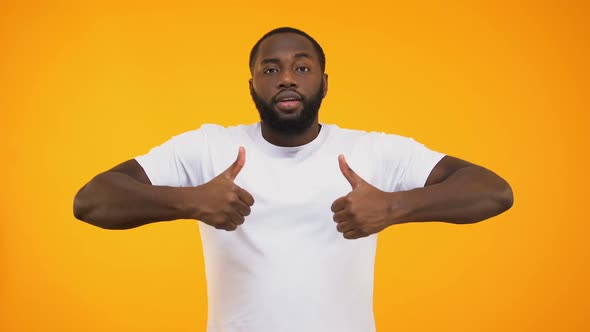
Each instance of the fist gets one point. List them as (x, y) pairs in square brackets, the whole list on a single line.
[(222, 203), (364, 211)]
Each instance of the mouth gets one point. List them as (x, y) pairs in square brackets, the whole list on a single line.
[(288, 101), (288, 105)]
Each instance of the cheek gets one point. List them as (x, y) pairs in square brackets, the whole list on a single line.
[(262, 86), (260, 93), (311, 85)]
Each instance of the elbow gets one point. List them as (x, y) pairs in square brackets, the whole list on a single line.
[(498, 201), (505, 198), (84, 210), (80, 207), (89, 208), (86, 206)]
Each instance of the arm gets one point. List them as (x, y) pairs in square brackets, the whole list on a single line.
[(124, 197), (456, 191)]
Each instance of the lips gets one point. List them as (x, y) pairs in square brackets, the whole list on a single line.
[(288, 100), (287, 95)]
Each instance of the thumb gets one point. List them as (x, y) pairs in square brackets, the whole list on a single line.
[(348, 173), (234, 169)]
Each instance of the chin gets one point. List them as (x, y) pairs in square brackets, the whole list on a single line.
[(288, 114)]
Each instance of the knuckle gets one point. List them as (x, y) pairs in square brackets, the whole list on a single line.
[(352, 211), (226, 196), (250, 201), (364, 231), (230, 197), (333, 207)]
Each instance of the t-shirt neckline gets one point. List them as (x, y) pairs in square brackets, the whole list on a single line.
[(296, 152)]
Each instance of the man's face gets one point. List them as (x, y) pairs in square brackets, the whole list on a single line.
[(287, 83)]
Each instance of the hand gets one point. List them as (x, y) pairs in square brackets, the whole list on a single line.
[(364, 211), (222, 203)]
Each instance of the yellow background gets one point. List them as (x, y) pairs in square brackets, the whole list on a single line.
[(84, 87)]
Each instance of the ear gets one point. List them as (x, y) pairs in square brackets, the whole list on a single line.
[(325, 79), (250, 84)]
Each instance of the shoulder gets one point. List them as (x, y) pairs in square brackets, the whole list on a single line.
[(369, 137), (216, 129), (213, 131)]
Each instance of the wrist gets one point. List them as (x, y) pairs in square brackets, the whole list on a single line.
[(188, 203), (400, 207)]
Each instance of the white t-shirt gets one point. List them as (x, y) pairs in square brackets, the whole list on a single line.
[(287, 268)]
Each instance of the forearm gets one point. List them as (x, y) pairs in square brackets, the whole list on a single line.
[(115, 200), (470, 194)]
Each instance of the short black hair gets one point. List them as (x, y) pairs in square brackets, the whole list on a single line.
[(316, 45)]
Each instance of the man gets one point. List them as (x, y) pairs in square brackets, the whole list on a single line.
[(301, 225)]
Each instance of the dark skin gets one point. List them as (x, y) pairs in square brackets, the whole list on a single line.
[(123, 198), (456, 191), (288, 61)]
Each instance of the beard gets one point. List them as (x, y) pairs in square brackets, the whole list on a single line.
[(290, 126)]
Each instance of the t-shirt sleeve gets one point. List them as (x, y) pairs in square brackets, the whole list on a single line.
[(405, 164), (177, 162)]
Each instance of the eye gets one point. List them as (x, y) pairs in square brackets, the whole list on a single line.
[(302, 68), (270, 70)]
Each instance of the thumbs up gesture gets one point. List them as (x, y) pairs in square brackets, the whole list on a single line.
[(364, 211), (221, 203)]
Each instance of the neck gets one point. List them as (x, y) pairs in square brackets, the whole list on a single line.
[(280, 139)]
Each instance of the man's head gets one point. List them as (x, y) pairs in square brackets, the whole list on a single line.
[(288, 80)]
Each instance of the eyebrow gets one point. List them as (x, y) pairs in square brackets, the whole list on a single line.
[(276, 60)]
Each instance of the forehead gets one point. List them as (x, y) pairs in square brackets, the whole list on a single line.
[(285, 45)]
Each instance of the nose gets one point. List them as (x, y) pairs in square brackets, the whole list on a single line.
[(287, 80)]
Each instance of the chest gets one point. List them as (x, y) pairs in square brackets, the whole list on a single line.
[(304, 186), (291, 215)]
